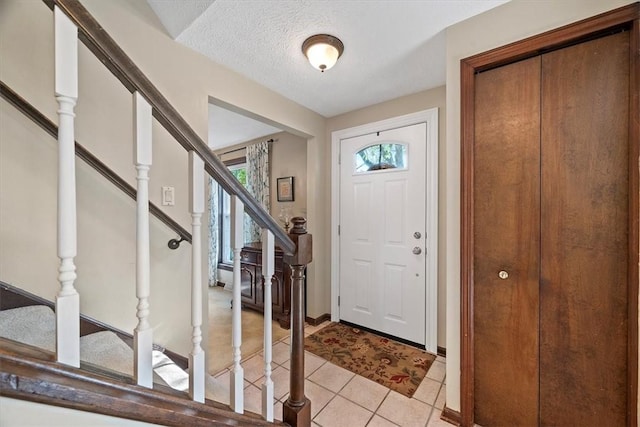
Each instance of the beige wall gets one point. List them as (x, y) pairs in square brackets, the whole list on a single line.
[(106, 252), (510, 22), (288, 158), (433, 98), (21, 413)]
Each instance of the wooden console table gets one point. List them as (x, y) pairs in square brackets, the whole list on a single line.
[(252, 290)]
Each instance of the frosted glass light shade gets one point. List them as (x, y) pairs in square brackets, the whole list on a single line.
[(322, 51)]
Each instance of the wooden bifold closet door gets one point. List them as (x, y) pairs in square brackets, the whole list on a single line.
[(551, 238)]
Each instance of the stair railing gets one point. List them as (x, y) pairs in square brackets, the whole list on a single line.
[(51, 128), (73, 22)]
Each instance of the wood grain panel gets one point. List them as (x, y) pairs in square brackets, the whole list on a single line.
[(584, 245), (30, 373), (506, 236), (625, 18)]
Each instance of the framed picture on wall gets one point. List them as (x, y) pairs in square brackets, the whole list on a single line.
[(285, 189)]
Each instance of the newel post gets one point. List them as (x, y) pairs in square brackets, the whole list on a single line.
[(297, 408)]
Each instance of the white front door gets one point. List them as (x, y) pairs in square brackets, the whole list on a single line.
[(382, 272)]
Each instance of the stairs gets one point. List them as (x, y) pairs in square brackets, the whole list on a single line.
[(35, 325), (27, 336), (131, 255)]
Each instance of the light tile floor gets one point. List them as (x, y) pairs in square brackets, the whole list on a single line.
[(342, 398)]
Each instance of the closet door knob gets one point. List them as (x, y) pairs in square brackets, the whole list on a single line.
[(503, 274), (417, 250)]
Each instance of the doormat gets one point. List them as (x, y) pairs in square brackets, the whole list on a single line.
[(397, 366)]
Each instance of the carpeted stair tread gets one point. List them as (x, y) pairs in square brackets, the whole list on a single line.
[(33, 325), (106, 349), (36, 325)]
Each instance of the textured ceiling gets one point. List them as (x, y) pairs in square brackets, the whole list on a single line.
[(392, 47)]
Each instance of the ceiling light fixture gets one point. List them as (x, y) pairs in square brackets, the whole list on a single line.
[(322, 51)]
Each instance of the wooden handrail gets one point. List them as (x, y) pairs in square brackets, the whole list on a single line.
[(52, 129), (29, 373), (95, 38)]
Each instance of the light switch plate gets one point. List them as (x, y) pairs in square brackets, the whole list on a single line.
[(168, 196)]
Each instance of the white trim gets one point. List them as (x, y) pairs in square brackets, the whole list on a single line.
[(66, 91), (430, 117), (142, 155), (237, 372), (268, 268), (197, 369)]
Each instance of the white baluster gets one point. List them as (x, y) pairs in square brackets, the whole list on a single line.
[(268, 268), (196, 204), (237, 242), (66, 89), (143, 334)]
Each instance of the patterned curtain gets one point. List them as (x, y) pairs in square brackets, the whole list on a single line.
[(257, 185), (214, 200)]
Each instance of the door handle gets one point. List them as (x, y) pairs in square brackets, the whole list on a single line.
[(503, 275), (417, 251)]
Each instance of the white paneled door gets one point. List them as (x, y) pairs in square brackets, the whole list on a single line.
[(383, 231)]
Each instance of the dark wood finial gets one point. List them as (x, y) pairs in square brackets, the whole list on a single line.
[(298, 234), (299, 225)]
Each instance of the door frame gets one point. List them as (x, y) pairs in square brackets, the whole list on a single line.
[(627, 16), (430, 117)]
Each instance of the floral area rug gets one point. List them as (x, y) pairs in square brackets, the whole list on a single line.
[(394, 365)]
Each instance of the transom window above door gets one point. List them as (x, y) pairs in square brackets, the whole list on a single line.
[(386, 155)]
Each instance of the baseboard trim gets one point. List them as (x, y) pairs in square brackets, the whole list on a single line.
[(318, 320), (451, 416), (442, 351)]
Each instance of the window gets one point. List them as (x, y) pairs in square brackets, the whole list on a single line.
[(381, 156), (239, 170)]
